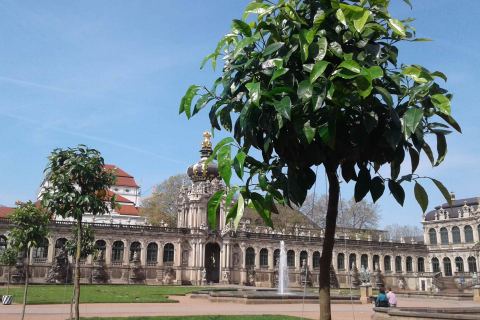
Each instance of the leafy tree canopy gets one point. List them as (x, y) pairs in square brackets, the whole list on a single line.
[(87, 242), (317, 82)]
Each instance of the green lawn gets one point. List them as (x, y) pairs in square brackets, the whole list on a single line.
[(249, 317), (48, 294)]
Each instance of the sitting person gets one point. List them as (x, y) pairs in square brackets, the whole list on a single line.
[(382, 300), (392, 298)]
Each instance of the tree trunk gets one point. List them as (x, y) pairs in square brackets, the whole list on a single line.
[(25, 292), (76, 283), (328, 242)]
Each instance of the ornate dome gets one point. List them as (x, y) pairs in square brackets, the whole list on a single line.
[(201, 171)]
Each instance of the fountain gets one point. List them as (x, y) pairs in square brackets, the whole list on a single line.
[(282, 270)]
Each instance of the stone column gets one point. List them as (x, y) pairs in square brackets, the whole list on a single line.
[(126, 252), (51, 250), (143, 253), (271, 261), (108, 252), (243, 273), (257, 257), (177, 261), (160, 254)]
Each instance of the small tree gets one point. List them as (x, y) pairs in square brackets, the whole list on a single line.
[(76, 183), (30, 227), (309, 83), (8, 258)]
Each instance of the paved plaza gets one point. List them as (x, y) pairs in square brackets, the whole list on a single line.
[(189, 306)]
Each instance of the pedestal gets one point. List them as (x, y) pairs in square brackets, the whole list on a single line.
[(365, 293), (476, 293)]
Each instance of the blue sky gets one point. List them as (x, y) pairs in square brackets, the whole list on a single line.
[(111, 74)]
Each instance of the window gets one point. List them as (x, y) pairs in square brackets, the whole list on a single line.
[(341, 261), (444, 236), (398, 264), (387, 263), (40, 253), (472, 264), (127, 190), (421, 264), (456, 235), (264, 258), (316, 260), (352, 261), (376, 262), (409, 264), (459, 264), (135, 249), (291, 258), (3, 243), (468, 234), (168, 253), (250, 257), (435, 265), (364, 261), (276, 257), (303, 258), (117, 252), (447, 267), (60, 245), (152, 253), (432, 234), (100, 247)]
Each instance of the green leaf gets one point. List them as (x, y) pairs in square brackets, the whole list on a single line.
[(439, 75), (254, 91), (212, 57), (441, 148), (450, 121), (374, 72), (421, 196), (239, 162), (411, 119), (414, 157), (351, 66), (255, 8), (362, 186), (397, 191), (240, 210), (186, 102), (428, 151), (377, 187), (341, 17), (272, 48), (364, 86), (442, 103), (221, 143), (309, 132), (242, 44), (443, 190), (418, 75), (212, 208), (397, 27), (278, 73), (321, 49), (318, 70), (225, 163), (359, 23), (242, 27), (305, 90), (259, 203), (284, 107), (387, 97)]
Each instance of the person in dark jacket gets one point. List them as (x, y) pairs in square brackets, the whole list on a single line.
[(382, 300)]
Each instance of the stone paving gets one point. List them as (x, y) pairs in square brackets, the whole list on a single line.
[(189, 306)]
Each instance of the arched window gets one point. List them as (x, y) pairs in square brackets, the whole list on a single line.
[(444, 236), (276, 257), (3, 243), (409, 264), (117, 252), (398, 264), (100, 248), (40, 253), (135, 249), (468, 234), (459, 264), (250, 257), (341, 261), (352, 261), (60, 245), (472, 264), (264, 258), (316, 260), (447, 267), (456, 235), (376, 262), (435, 265), (421, 264), (291, 258), (168, 253), (364, 261), (432, 234), (303, 258), (152, 253), (387, 261)]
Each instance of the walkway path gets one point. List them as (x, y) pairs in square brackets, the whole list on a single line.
[(188, 306)]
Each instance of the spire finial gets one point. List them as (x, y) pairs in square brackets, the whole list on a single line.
[(206, 143)]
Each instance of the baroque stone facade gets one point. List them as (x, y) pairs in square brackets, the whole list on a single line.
[(192, 253)]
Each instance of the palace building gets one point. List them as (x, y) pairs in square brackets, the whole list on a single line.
[(131, 251)]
